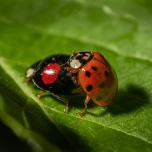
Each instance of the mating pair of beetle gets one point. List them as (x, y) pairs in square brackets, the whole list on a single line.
[(83, 72)]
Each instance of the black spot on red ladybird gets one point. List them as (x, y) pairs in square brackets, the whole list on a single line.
[(89, 88), (88, 74), (94, 68)]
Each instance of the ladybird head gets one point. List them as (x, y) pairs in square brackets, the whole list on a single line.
[(77, 60)]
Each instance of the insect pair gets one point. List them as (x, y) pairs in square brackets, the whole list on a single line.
[(85, 72)]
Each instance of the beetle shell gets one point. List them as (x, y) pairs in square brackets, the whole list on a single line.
[(98, 80)]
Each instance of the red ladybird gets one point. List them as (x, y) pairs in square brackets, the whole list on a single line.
[(83, 72), (95, 76)]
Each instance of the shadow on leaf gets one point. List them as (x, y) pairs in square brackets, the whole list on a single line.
[(75, 140), (129, 100)]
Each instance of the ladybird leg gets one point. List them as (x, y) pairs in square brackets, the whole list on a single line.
[(66, 107), (42, 94), (85, 106)]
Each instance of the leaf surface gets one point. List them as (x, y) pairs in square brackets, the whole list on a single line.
[(120, 30)]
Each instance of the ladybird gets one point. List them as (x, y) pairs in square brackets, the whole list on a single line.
[(84, 72), (51, 75)]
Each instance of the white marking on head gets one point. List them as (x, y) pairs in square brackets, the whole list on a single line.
[(75, 64), (30, 72)]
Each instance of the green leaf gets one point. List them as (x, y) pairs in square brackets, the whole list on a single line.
[(120, 30)]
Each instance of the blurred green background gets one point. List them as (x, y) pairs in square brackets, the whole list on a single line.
[(9, 142), (33, 29)]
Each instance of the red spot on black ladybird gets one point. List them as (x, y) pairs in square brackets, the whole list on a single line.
[(87, 73), (50, 73), (89, 88)]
